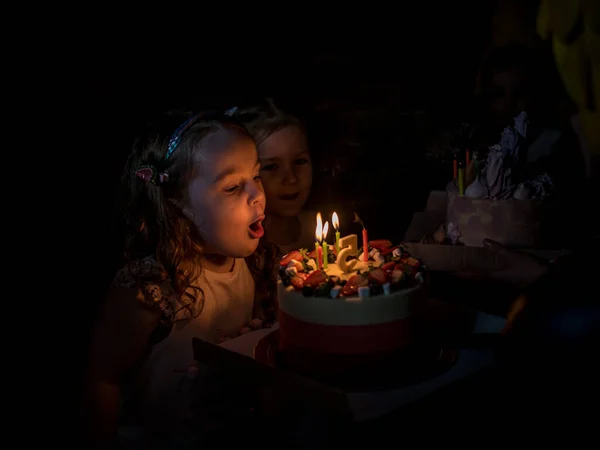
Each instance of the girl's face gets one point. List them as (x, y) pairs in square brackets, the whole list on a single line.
[(225, 199), (286, 171)]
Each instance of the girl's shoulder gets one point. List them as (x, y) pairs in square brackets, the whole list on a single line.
[(153, 287), (129, 275)]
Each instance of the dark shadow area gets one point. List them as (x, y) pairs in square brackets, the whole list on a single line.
[(380, 115)]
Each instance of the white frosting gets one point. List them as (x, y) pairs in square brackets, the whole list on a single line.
[(349, 310), (354, 310)]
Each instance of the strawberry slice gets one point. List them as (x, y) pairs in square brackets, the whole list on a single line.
[(297, 282), (351, 287), (389, 250), (379, 275), (388, 266), (397, 275), (315, 278), (291, 255), (381, 244), (410, 270), (312, 254)]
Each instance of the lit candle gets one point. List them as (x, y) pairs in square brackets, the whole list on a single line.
[(325, 246), (365, 238), (318, 236), (336, 224), (348, 247)]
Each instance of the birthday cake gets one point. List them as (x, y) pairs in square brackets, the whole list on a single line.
[(354, 302), (494, 197)]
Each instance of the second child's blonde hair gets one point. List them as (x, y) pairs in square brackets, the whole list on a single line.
[(263, 119)]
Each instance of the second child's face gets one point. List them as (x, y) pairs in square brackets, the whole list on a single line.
[(286, 170), (225, 199)]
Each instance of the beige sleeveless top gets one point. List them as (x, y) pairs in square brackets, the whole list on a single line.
[(164, 382)]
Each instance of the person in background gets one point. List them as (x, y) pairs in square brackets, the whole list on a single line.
[(515, 78), (286, 171)]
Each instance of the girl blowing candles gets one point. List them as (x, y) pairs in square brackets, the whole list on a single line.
[(198, 266)]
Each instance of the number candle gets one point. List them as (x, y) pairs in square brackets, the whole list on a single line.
[(348, 247)]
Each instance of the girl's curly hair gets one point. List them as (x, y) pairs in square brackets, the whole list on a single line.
[(153, 224)]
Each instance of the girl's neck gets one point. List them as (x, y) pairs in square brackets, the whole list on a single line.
[(283, 230), (217, 263)]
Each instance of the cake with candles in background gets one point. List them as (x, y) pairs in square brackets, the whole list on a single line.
[(492, 195), (353, 297)]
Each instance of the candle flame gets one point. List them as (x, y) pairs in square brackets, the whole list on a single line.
[(319, 230), (325, 230), (335, 221)]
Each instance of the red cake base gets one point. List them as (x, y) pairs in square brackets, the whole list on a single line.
[(346, 340), (359, 373)]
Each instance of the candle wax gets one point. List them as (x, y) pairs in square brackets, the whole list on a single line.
[(317, 256), (325, 255), (365, 237), (320, 257), (337, 241)]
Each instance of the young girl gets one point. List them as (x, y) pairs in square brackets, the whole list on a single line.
[(286, 171), (198, 266)]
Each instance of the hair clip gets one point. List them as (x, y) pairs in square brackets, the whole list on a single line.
[(150, 174)]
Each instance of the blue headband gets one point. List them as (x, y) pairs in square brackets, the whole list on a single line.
[(176, 137)]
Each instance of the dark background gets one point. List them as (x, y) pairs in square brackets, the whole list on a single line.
[(371, 92), (374, 84)]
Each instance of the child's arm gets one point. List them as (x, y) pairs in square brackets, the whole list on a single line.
[(119, 340)]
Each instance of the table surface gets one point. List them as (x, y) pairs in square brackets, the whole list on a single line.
[(371, 405)]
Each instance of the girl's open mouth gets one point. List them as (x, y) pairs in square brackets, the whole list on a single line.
[(256, 230)]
